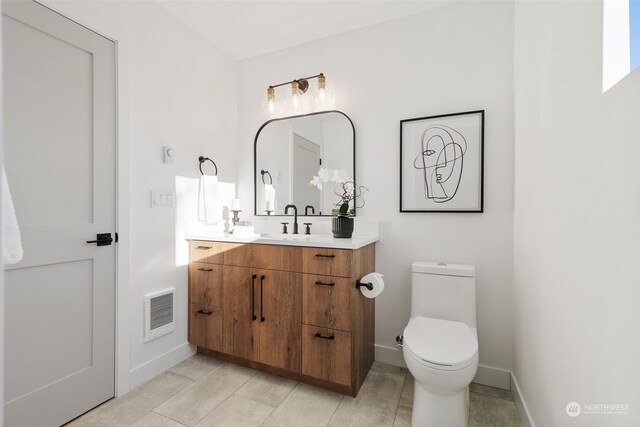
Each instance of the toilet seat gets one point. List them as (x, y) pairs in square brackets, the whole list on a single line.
[(440, 344)]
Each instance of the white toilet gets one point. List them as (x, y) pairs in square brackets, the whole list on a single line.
[(440, 343)]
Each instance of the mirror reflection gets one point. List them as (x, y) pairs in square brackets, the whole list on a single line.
[(290, 151)]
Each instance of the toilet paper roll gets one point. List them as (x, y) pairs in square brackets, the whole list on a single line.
[(378, 285)]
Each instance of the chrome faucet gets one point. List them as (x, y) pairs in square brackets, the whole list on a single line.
[(295, 217), (306, 210)]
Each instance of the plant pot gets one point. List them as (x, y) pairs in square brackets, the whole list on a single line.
[(342, 227)]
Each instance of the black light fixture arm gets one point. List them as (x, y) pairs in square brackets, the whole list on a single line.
[(297, 80)]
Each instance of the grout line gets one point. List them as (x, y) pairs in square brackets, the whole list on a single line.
[(335, 410)]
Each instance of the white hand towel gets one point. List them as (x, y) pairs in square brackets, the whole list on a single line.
[(269, 197), (11, 242), (209, 204)]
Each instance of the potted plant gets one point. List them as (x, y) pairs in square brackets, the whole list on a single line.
[(342, 226)]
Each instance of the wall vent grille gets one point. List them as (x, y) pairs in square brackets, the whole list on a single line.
[(159, 314)]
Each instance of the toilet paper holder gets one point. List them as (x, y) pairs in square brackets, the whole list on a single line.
[(369, 285)]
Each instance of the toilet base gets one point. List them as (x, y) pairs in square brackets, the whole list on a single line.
[(437, 410)]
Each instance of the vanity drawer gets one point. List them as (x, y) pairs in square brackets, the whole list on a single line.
[(269, 257), (326, 354), (205, 326), (326, 302), (209, 252), (329, 262), (205, 284)]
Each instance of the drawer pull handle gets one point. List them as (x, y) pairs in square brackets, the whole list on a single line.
[(204, 313), (203, 248), (325, 284), (325, 256), (205, 269), (319, 335)]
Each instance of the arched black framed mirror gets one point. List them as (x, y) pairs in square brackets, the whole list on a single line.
[(289, 152)]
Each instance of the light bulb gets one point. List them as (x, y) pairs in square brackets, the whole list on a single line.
[(322, 88), (295, 95), (271, 99)]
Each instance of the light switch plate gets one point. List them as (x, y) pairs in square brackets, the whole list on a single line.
[(161, 199)]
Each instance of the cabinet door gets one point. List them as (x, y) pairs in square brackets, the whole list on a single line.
[(326, 354), (280, 317), (205, 327), (241, 322), (205, 284)]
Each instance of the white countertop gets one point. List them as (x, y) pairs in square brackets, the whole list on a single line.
[(313, 240)]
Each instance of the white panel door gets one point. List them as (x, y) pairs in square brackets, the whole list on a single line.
[(59, 94), (306, 162)]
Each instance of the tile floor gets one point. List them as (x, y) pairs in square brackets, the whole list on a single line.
[(207, 392)]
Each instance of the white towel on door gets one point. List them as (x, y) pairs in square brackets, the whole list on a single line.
[(269, 195), (11, 242), (209, 204)]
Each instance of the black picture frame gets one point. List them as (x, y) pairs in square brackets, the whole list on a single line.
[(460, 143)]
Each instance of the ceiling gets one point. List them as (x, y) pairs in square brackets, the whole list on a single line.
[(249, 28)]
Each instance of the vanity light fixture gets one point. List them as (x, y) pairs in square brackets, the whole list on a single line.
[(298, 88)]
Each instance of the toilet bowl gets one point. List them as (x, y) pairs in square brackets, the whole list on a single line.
[(440, 343), (442, 355)]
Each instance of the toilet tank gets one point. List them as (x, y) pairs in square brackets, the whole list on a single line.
[(444, 291)]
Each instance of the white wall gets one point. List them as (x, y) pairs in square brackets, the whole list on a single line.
[(577, 210), (181, 92), (456, 58)]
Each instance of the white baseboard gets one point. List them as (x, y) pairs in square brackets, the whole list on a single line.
[(493, 377), (390, 355), (523, 409), (486, 375), (143, 373)]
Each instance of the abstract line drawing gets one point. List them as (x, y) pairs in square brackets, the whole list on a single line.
[(441, 161)]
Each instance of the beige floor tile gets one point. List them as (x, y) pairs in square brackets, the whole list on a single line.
[(306, 406), (127, 409), (489, 411), (237, 411), (390, 369), (375, 405), (155, 420), (491, 391), (194, 402), (403, 417), (196, 367), (406, 399), (267, 388)]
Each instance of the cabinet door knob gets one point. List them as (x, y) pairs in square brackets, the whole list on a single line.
[(203, 248), (325, 256), (319, 335), (205, 269), (325, 284), (204, 313)]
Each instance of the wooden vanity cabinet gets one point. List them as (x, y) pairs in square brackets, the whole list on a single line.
[(289, 310)]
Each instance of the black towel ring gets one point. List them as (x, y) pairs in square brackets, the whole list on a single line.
[(203, 159), (263, 173)]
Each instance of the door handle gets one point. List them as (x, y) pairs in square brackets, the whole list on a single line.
[(253, 297), (205, 269), (319, 335), (204, 313), (203, 248), (325, 256), (102, 239), (261, 296)]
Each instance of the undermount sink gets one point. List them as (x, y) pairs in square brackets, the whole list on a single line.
[(280, 236)]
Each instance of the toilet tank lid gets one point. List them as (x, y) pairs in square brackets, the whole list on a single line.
[(443, 269)]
